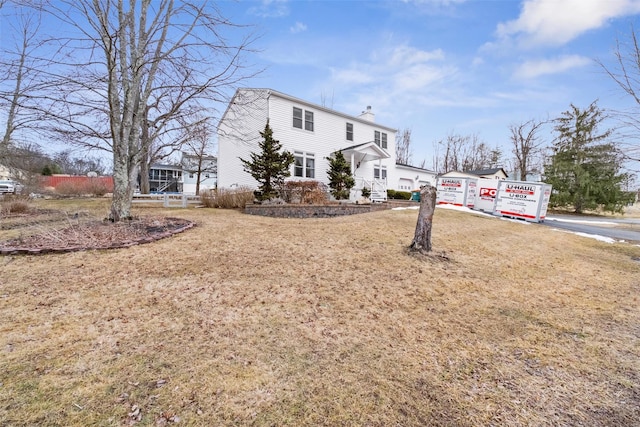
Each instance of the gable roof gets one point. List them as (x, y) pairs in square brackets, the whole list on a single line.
[(368, 151), (492, 171), (415, 168), (270, 92)]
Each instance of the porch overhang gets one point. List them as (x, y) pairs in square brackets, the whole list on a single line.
[(367, 152)]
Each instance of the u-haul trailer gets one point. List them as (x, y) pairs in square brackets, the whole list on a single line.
[(457, 191), (486, 197), (522, 200)]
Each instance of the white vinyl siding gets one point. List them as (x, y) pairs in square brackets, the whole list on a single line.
[(239, 134)]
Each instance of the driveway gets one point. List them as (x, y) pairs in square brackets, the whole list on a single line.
[(627, 229)]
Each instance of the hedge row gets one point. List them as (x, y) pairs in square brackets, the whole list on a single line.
[(398, 195)]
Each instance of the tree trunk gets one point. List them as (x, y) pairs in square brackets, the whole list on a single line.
[(422, 238), (145, 188), (124, 175), (199, 175)]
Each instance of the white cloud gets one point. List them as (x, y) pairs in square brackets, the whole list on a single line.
[(435, 2), (405, 55), (556, 22), (393, 64), (298, 28), (532, 69), (396, 75), (271, 9), (352, 76)]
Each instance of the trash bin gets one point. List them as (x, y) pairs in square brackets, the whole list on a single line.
[(415, 196)]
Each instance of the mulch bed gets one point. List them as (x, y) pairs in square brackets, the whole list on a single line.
[(90, 235)]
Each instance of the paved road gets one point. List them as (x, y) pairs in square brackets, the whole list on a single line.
[(627, 229)]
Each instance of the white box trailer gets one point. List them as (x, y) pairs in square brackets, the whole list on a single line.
[(523, 200), (486, 194), (456, 191)]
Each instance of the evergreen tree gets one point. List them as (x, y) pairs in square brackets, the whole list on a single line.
[(584, 168), (340, 178), (270, 167)]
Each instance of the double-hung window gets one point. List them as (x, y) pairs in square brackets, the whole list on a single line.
[(380, 138), (349, 131), (380, 172), (304, 165), (308, 120), (301, 117), (297, 118)]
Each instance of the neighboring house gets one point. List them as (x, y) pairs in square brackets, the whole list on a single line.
[(312, 133), (165, 178), (182, 178), (208, 172), (494, 173), (531, 177)]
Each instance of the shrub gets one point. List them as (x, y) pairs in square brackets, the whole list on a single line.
[(91, 186), (227, 199), (366, 192), (398, 195), (403, 195), (311, 192), (341, 179), (15, 207)]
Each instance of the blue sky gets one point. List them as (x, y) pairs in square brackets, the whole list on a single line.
[(442, 66)]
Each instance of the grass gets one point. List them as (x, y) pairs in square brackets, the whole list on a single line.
[(272, 322)]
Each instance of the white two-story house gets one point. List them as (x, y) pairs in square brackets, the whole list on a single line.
[(312, 133)]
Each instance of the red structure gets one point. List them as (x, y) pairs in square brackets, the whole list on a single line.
[(79, 180)]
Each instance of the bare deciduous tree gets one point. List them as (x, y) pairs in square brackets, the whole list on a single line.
[(19, 71), (527, 147), (197, 159), (125, 57), (464, 153), (626, 74), (403, 147)]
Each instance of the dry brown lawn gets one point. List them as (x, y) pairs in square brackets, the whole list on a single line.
[(283, 322)]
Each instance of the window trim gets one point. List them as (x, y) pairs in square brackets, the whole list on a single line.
[(349, 133), (304, 167), (303, 119), (380, 170), (308, 123), (298, 119)]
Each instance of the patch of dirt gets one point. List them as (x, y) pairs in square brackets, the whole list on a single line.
[(95, 234)]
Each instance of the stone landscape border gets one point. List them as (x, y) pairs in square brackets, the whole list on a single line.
[(321, 211), (155, 236)]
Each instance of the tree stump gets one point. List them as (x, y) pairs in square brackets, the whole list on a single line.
[(422, 238)]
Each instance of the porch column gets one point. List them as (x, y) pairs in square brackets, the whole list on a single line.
[(353, 163)]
